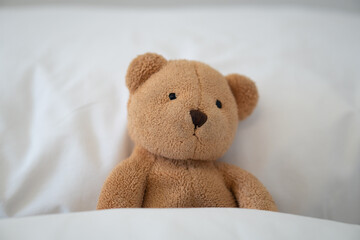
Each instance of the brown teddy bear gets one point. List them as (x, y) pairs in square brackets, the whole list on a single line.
[(182, 116)]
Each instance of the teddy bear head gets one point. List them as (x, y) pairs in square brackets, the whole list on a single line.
[(182, 109)]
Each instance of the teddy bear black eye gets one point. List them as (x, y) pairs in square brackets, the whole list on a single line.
[(172, 96), (218, 104)]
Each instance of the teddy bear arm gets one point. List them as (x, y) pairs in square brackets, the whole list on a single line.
[(246, 188), (124, 187)]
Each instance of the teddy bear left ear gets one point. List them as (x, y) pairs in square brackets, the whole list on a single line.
[(245, 93), (141, 68)]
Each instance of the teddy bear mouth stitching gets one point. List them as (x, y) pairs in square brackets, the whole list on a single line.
[(197, 137)]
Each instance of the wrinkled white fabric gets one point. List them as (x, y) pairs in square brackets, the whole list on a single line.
[(204, 223), (63, 99)]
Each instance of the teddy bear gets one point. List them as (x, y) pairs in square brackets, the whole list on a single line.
[(182, 116)]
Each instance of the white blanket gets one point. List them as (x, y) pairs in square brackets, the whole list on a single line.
[(63, 100), (205, 223)]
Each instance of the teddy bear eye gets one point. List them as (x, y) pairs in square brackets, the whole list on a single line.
[(172, 96), (218, 104)]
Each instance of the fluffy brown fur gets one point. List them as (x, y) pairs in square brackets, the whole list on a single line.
[(178, 138)]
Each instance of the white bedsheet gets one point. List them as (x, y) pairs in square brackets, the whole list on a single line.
[(174, 224), (63, 100)]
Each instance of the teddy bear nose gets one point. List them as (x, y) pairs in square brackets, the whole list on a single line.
[(198, 118)]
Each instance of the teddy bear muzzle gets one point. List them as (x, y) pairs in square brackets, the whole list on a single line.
[(198, 118)]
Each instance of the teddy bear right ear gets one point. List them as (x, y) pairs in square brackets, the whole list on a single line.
[(141, 68)]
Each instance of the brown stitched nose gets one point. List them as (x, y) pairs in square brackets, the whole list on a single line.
[(198, 118)]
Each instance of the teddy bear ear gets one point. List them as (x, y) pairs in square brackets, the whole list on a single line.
[(141, 68), (245, 93)]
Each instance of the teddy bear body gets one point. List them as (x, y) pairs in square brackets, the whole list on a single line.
[(170, 183), (186, 183), (182, 116)]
